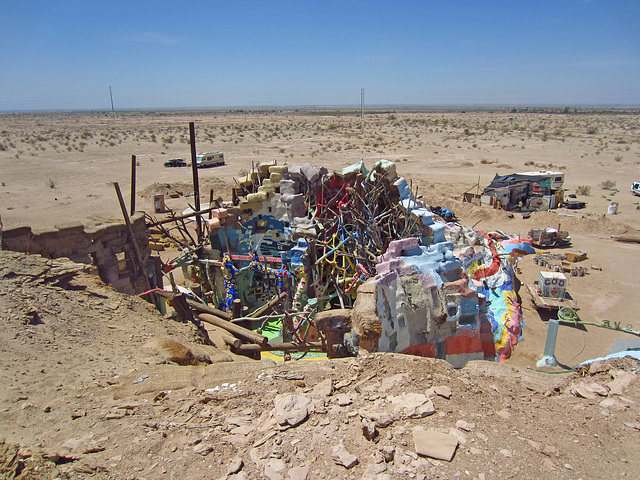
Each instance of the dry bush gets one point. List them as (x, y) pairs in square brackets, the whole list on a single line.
[(584, 190), (608, 185)]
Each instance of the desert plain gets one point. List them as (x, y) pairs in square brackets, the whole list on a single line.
[(60, 167), (57, 168)]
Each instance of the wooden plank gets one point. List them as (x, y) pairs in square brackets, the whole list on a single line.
[(548, 302)]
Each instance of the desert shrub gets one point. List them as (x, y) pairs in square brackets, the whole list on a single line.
[(486, 161), (592, 130), (530, 162), (51, 183), (467, 164), (608, 185), (618, 158), (584, 190)]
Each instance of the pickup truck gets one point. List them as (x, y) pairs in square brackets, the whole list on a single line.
[(175, 162)]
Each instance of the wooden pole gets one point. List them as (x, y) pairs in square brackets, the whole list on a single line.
[(196, 185), (223, 335), (137, 257), (201, 307), (269, 306), (179, 304), (210, 203), (236, 330), (180, 217), (133, 184)]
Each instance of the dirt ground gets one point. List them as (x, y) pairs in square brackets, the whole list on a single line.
[(88, 390)]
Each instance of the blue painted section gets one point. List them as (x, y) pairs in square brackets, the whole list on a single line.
[(434, 260)]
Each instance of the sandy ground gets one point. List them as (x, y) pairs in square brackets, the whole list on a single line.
[(87, 394), (58, 168)]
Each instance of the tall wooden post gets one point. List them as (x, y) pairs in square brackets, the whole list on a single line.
[(196, 185), (137, 258), (133, 184)]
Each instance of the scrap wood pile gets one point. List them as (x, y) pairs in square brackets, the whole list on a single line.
[(286, 256), (294, 241)]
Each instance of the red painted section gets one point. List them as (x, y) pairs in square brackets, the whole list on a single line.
[(462, 344), (422, 350), (495, 264)]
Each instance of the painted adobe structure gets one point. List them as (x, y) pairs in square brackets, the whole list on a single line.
[(437, 290)]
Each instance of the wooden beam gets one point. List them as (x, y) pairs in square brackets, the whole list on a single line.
[(196, 184), (236, 330), (133, 184), (269, 306), (181, 217), (137, 257)]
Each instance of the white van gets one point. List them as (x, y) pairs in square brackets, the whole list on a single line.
[(635, 188), (212, 159)]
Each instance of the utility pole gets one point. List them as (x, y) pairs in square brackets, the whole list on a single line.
[(362, 103), (112, 109)]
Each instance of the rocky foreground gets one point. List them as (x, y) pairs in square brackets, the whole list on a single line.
[(89, 391)]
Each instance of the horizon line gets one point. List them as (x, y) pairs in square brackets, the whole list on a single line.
[(329, 107)]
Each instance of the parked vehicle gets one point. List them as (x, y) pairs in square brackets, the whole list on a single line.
[(635, 188), (175, 162), (574, 204), (549, 237), (212, 159)]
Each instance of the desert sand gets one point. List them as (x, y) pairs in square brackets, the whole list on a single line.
[(60, 167), (88, 392)]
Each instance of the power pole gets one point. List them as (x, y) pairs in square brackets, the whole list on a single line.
[(362, 103), (112, 109)]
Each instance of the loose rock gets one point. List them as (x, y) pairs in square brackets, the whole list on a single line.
[(433, 444), (341, 456)]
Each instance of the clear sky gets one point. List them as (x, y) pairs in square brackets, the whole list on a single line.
[(62, 54)]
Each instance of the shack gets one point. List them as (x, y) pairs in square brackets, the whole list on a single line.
[(540, 190)]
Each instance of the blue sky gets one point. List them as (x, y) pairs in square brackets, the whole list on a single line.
[(156, 54)]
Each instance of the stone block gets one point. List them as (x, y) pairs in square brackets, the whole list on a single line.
[(288, 187), (16, 232), (100, 231), (123, 285), (279, 169), (81, 258), (267, 189), (255, 197), (117, 243), (18, 244), (310, 172), (70, 228), (42, 235), (264, 168)]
